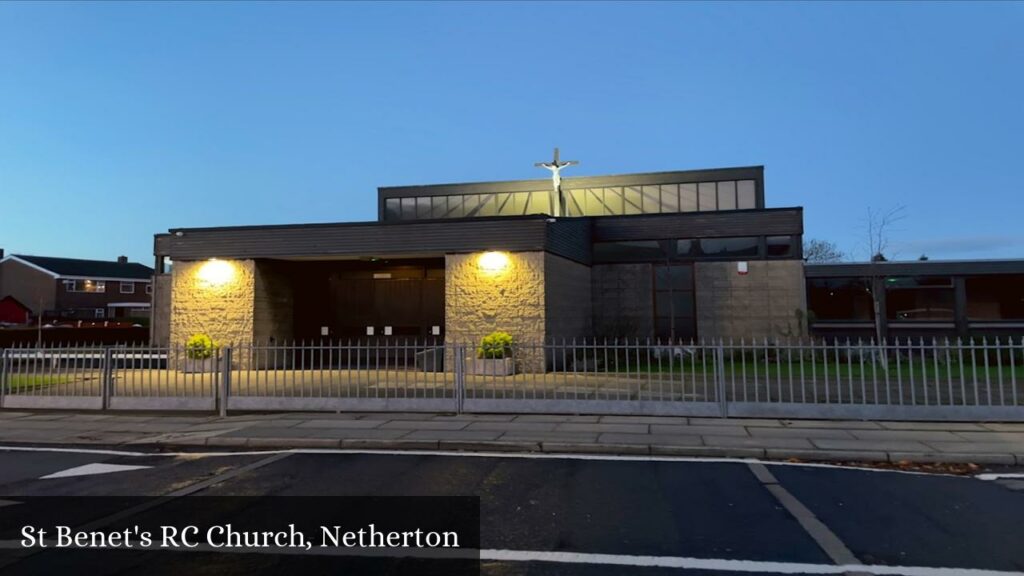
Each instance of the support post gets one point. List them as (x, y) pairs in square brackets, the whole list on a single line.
[(460, 378), (107, 378), (3, 375), (720, 379), (225, 382)]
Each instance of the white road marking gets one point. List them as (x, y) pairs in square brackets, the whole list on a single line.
[(998, 476), (456, 453), (92, 469), (728, 564)]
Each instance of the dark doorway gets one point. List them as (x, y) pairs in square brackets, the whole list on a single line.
[(403, 297), (674, 316)]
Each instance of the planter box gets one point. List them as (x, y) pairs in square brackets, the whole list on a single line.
[(204, 366), (491, 366)]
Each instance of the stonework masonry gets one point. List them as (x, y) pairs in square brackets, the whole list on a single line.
[(253, 305), (160, 319), (622, 300), (760, 304), (478, 302)]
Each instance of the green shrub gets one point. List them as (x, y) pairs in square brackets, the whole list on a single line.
[(200, 347), (495, 345)]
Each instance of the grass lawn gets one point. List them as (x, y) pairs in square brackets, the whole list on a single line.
[(25, 381)]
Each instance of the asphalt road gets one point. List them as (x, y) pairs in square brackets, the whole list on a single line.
[(613, 514)]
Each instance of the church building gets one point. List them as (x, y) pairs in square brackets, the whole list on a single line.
[(682, 255)]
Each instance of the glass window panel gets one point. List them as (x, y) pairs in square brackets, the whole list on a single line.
[(628, 251), (456, 207), (742, 246), (423, 208), (488, 205), (408, 208), (651, 199), (505, 205), (577, 202), (688, 197), (779, 246), (840, 299), (913, 299), (746, 194), (613, 201), (438, 206), (686, 248), (521, 201), (706, 194), (727, 195), (471, 205), (670, 198), (996, 297), (393, 209), (633, 200)]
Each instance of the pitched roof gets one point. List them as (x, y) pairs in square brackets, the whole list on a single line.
[(90, 268)]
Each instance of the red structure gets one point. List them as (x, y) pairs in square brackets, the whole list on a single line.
[(13, 312)]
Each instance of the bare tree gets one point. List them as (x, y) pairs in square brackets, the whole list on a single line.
[(821, 251), (879, 226)]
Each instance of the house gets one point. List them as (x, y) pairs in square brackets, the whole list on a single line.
[(68, 288), (13, 312)]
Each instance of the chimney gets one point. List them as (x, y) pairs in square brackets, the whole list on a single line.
[(122, 259)]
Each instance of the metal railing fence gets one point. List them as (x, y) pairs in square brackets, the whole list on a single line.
[(899, 379)]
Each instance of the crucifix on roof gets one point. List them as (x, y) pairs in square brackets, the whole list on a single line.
[(555, 166)]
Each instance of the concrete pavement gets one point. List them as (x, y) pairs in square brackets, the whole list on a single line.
[(817, 440)]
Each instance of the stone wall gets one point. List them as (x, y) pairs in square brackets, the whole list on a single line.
[(480, 301), (623, 300), (221, 310), (759, 304), (160, 305), (567, 298)]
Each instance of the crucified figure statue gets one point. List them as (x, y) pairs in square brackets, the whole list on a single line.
[(555, 166)]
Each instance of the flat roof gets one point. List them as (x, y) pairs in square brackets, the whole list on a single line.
[(915, 268)]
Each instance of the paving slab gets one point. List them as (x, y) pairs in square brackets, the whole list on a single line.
[(1004, 426), (577, 437), (699, 430), (340, 424), (11, 415), (677, 420), (597, 427), (425, 424), (555, 418), (573, 448), (289, 443), (977, 447), (452, 435), (799, 433), (476, 417), (950, 426), (663, 439), (843, 424), (870, 445), (921, 435), (1017, 437), (379, 444), (769, 422), (514, 426), (750, 442)]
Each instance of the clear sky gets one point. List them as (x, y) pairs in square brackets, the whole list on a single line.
[(121, 120)]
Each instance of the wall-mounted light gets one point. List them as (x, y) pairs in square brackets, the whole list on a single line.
[(216, 272), (493, 262)]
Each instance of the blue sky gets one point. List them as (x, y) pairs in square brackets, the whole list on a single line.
[(121, 120)]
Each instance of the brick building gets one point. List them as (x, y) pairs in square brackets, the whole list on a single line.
[(73, 289), (688, 254)]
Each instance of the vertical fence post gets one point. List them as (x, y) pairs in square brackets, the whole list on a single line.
[(720, 379), (460, 377), (225, 382), (107, 377), (3, 375)]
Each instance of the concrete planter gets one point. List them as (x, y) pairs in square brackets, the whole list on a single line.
[(492, 366), (196, 366)]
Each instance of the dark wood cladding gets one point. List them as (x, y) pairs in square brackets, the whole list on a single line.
[(374, 239), (776, 221), (915, 268)]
